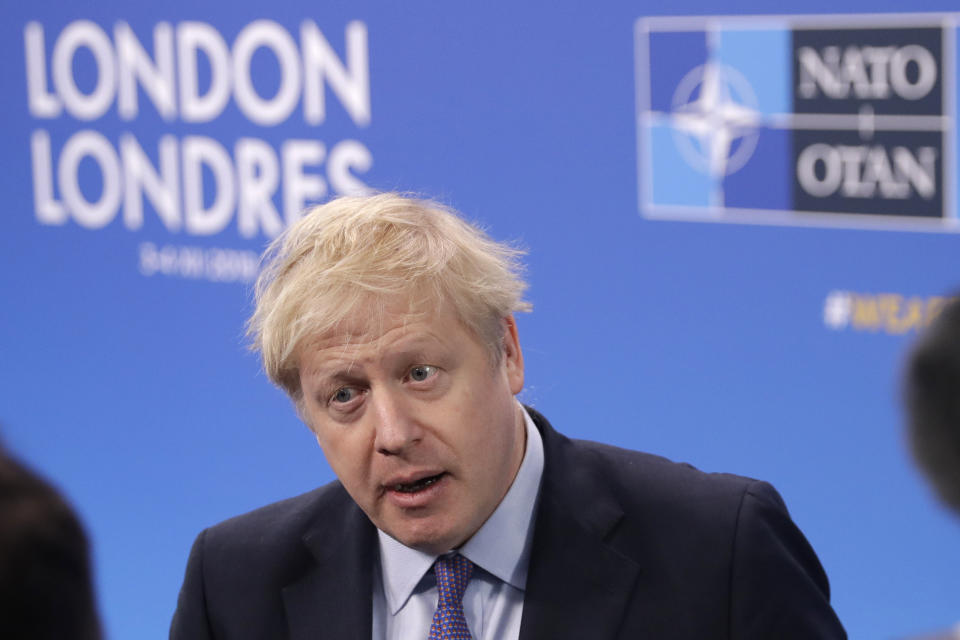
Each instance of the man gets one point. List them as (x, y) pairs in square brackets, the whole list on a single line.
[(458, 513)]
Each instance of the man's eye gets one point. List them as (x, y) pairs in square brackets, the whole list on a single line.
[(344, 395), (421, 372)]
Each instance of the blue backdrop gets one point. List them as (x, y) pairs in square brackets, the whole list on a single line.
[(150, 152)]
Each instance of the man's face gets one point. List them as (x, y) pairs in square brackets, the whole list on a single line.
[(418, 424)]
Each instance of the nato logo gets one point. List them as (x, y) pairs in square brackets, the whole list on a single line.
[(806, 120)]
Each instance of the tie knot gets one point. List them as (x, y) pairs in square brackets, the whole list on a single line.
[(453, 572)]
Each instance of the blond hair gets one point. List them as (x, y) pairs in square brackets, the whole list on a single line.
[(354, 251)]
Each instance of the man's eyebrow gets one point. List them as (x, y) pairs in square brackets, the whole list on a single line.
[(420, 347), (428, 352), (341, 367), (325, 384)]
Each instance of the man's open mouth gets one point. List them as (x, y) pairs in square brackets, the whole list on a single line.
[(419, 485)]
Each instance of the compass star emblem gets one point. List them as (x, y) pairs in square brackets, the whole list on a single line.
[(715, 119)]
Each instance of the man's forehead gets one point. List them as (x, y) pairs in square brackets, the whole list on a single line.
[(379, 328), (374, 313), (404, 330), (345, 354), (369, 322)]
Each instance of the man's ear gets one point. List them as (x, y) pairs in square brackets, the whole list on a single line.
[(512, 355)]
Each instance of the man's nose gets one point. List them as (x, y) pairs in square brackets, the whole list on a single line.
[(397, 429)]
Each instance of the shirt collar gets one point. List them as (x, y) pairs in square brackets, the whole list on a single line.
[(501, 546)]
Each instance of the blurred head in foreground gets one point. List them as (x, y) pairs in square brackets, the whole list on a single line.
[(932, 390), (46, 592)]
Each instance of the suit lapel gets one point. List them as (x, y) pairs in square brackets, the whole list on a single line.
[(332, 599), (577, 585)]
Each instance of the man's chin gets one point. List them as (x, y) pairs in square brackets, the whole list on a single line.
[(428, 539)]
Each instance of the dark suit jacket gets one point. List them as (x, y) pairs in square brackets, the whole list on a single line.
[(626, 545)]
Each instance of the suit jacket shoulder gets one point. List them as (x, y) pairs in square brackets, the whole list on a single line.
[(661, 549), (291, 569)]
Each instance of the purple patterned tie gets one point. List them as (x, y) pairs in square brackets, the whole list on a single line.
[(453, 573)]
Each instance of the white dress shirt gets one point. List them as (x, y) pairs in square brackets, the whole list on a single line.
[(404, 586)]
